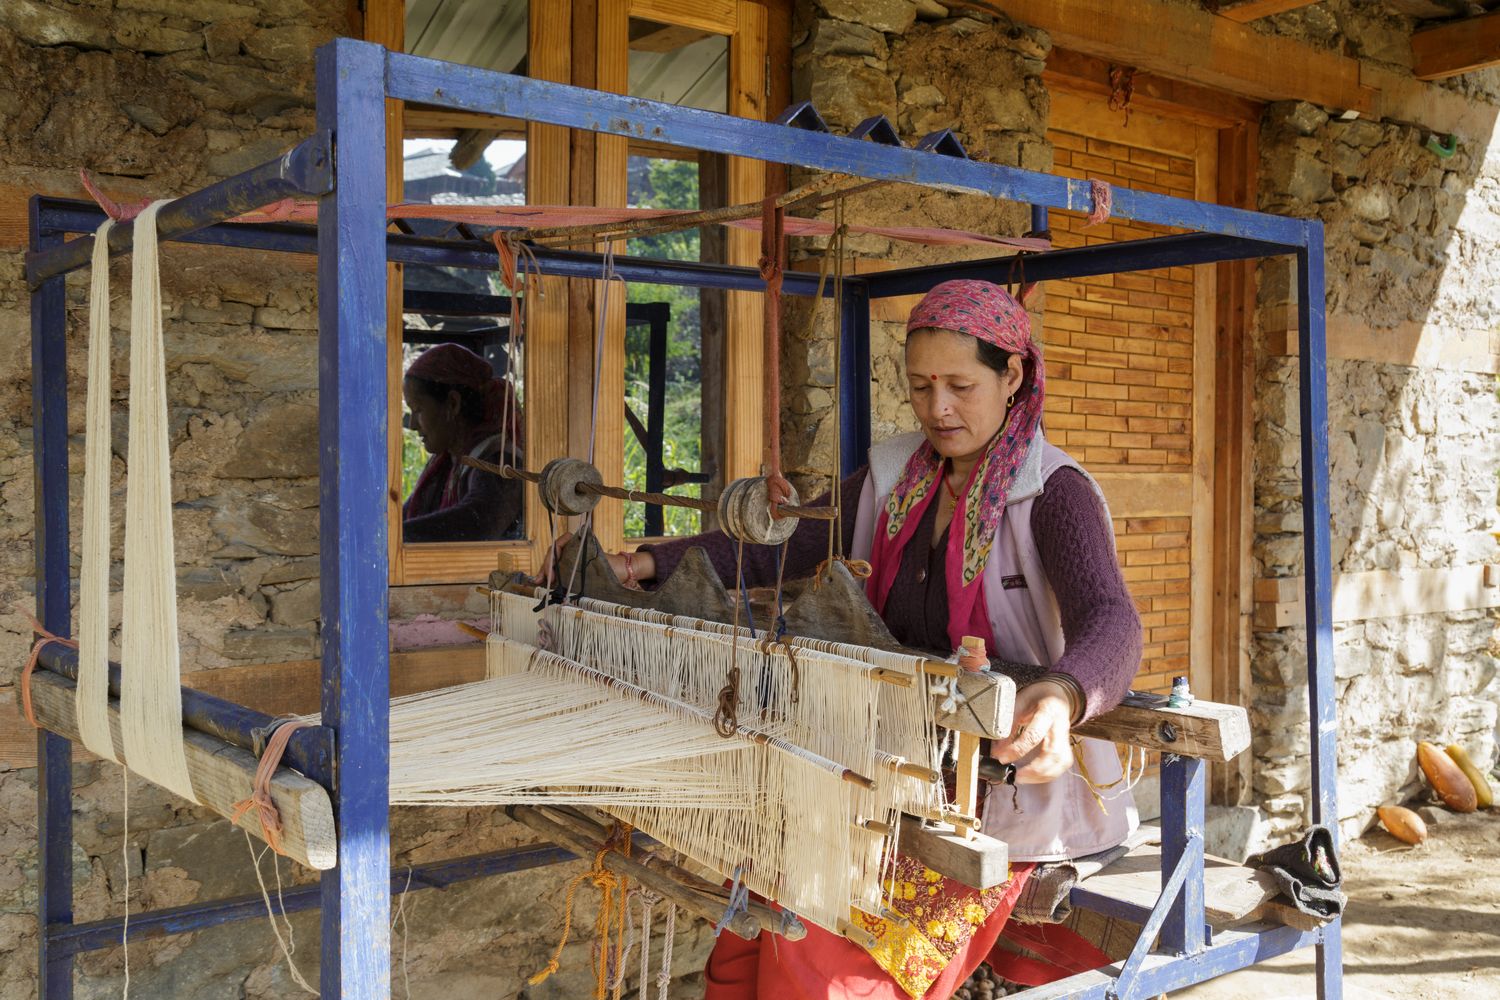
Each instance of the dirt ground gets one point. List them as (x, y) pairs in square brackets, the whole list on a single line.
[(1423, 923)]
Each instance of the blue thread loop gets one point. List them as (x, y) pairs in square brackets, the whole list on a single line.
[(739, 902)]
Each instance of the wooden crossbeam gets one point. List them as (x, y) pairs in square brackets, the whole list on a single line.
[(1245, 11), (1203, 729), (1456, 47), (1382, 593), (223, 776)]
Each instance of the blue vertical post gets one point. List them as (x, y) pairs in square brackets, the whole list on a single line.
[(854, 377), (1038, 219), (351, 517), (1182, 796), (54, 755), (1318, 565)]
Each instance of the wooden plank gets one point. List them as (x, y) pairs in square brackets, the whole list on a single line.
[(459, 562), (293, 687), (223, 776), (548, 171), (1191, 44), (1245, 11), (744, 382), (1456, 47), (1147, 494), (1233, 514), (443, 123), (1204, 438), (665, 37), (719, 17), (1232, 893), (611, 159), (1086, 76), (978, 861), (1203, 729), (1086, 115), (1382, 594), (1415, 344)]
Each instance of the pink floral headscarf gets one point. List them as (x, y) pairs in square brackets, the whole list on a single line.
[(988, 312)]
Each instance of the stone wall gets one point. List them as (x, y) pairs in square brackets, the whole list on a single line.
[(1413, 452), (157, 98), (978, 74)]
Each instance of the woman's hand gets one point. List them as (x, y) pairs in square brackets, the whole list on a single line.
[(1043, 719), (621, 563)]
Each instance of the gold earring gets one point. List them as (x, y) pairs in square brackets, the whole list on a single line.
[(1010, 401)]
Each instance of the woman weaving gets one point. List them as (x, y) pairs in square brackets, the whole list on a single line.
[(459, 408), (975, 526)]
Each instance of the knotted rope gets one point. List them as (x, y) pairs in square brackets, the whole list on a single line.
[(1103, 197), (43, 638), (260, 797), (607, 882)]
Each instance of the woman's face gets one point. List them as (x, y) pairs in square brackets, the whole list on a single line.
[(958, 399), (436, 421)]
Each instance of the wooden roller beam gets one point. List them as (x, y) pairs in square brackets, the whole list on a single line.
[(1203, 729), (223, 776)]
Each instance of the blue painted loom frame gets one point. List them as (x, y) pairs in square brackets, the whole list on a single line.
[(349, 752)]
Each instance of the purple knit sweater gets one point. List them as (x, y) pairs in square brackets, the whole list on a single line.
[(1101, 627)]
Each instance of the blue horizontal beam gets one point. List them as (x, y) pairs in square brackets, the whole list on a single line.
[(305, 169), (1234, 950), (70, 216), (310, 750), (1183, 250), (72, 939), (468, 88)]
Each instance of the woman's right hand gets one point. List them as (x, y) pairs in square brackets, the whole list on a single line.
[(620, 563)]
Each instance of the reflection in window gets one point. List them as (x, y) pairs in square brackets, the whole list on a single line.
[(461, 396), (462, 365)]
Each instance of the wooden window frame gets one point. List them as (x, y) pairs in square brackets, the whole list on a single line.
[(559, 357)]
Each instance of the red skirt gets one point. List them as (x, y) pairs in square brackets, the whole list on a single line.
[(826, 966)]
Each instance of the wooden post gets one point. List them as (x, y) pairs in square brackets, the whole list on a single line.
[(966, 762)]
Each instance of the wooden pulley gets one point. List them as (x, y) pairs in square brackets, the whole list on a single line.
[(745, 513), (560, 482)]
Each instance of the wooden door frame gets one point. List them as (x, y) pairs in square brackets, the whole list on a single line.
[(1224, 372)]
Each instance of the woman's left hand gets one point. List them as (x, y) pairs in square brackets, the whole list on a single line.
[(1043, 719)]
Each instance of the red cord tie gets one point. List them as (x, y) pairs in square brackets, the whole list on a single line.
[(1103, 197), (260, 797), (43, 637), (112, 208)]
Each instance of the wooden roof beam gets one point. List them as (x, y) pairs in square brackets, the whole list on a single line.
[(1245, 11), (1189, 43), (1456, 47)]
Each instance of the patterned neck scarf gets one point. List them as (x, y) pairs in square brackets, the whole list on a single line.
[(988, 312)]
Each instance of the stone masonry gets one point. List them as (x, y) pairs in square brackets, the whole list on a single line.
[(157, 98)]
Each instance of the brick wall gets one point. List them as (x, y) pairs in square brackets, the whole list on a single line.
[(1120, 383)]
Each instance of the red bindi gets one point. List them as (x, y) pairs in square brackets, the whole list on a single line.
[(933, 377)]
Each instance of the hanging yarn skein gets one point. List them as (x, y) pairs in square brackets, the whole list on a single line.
[(150, 660)]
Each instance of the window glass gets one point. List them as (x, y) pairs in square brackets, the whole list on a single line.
[(673, 416), (462, 361)]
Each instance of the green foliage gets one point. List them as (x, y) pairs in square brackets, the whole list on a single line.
[(666, 184)]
